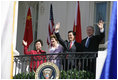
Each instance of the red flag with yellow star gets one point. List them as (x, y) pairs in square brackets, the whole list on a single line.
[(28, 34)]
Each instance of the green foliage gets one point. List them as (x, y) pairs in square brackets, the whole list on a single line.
[(70, 74), (86, 75), (30, 75), (75, 74)]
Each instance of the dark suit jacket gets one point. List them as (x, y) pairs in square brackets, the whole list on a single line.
[(93, 44), (77, 47)]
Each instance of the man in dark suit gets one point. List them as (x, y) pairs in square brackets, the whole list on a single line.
[(91, 44), (69, 45)]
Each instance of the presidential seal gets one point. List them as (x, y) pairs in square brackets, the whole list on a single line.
[(47, 70)]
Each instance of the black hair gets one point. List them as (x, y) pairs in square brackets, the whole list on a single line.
[(72, 32), (39, 40)]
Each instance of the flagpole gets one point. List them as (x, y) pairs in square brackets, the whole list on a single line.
[(12, 57)]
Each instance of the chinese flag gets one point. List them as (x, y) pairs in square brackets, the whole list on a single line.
[(28, 35), (77, 24)]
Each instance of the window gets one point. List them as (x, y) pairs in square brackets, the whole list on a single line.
[(102, 12)]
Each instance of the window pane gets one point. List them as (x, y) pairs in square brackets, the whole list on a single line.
[(101, 13)]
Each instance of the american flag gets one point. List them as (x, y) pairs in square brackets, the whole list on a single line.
[(51, 25)]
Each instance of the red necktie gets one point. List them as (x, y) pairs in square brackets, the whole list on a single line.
[(70, 45)]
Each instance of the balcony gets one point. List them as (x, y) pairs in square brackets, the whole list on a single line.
[(77, 65)]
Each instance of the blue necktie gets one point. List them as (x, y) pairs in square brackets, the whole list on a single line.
[(87, 42)]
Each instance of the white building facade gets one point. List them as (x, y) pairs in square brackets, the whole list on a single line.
[(63, 12)]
